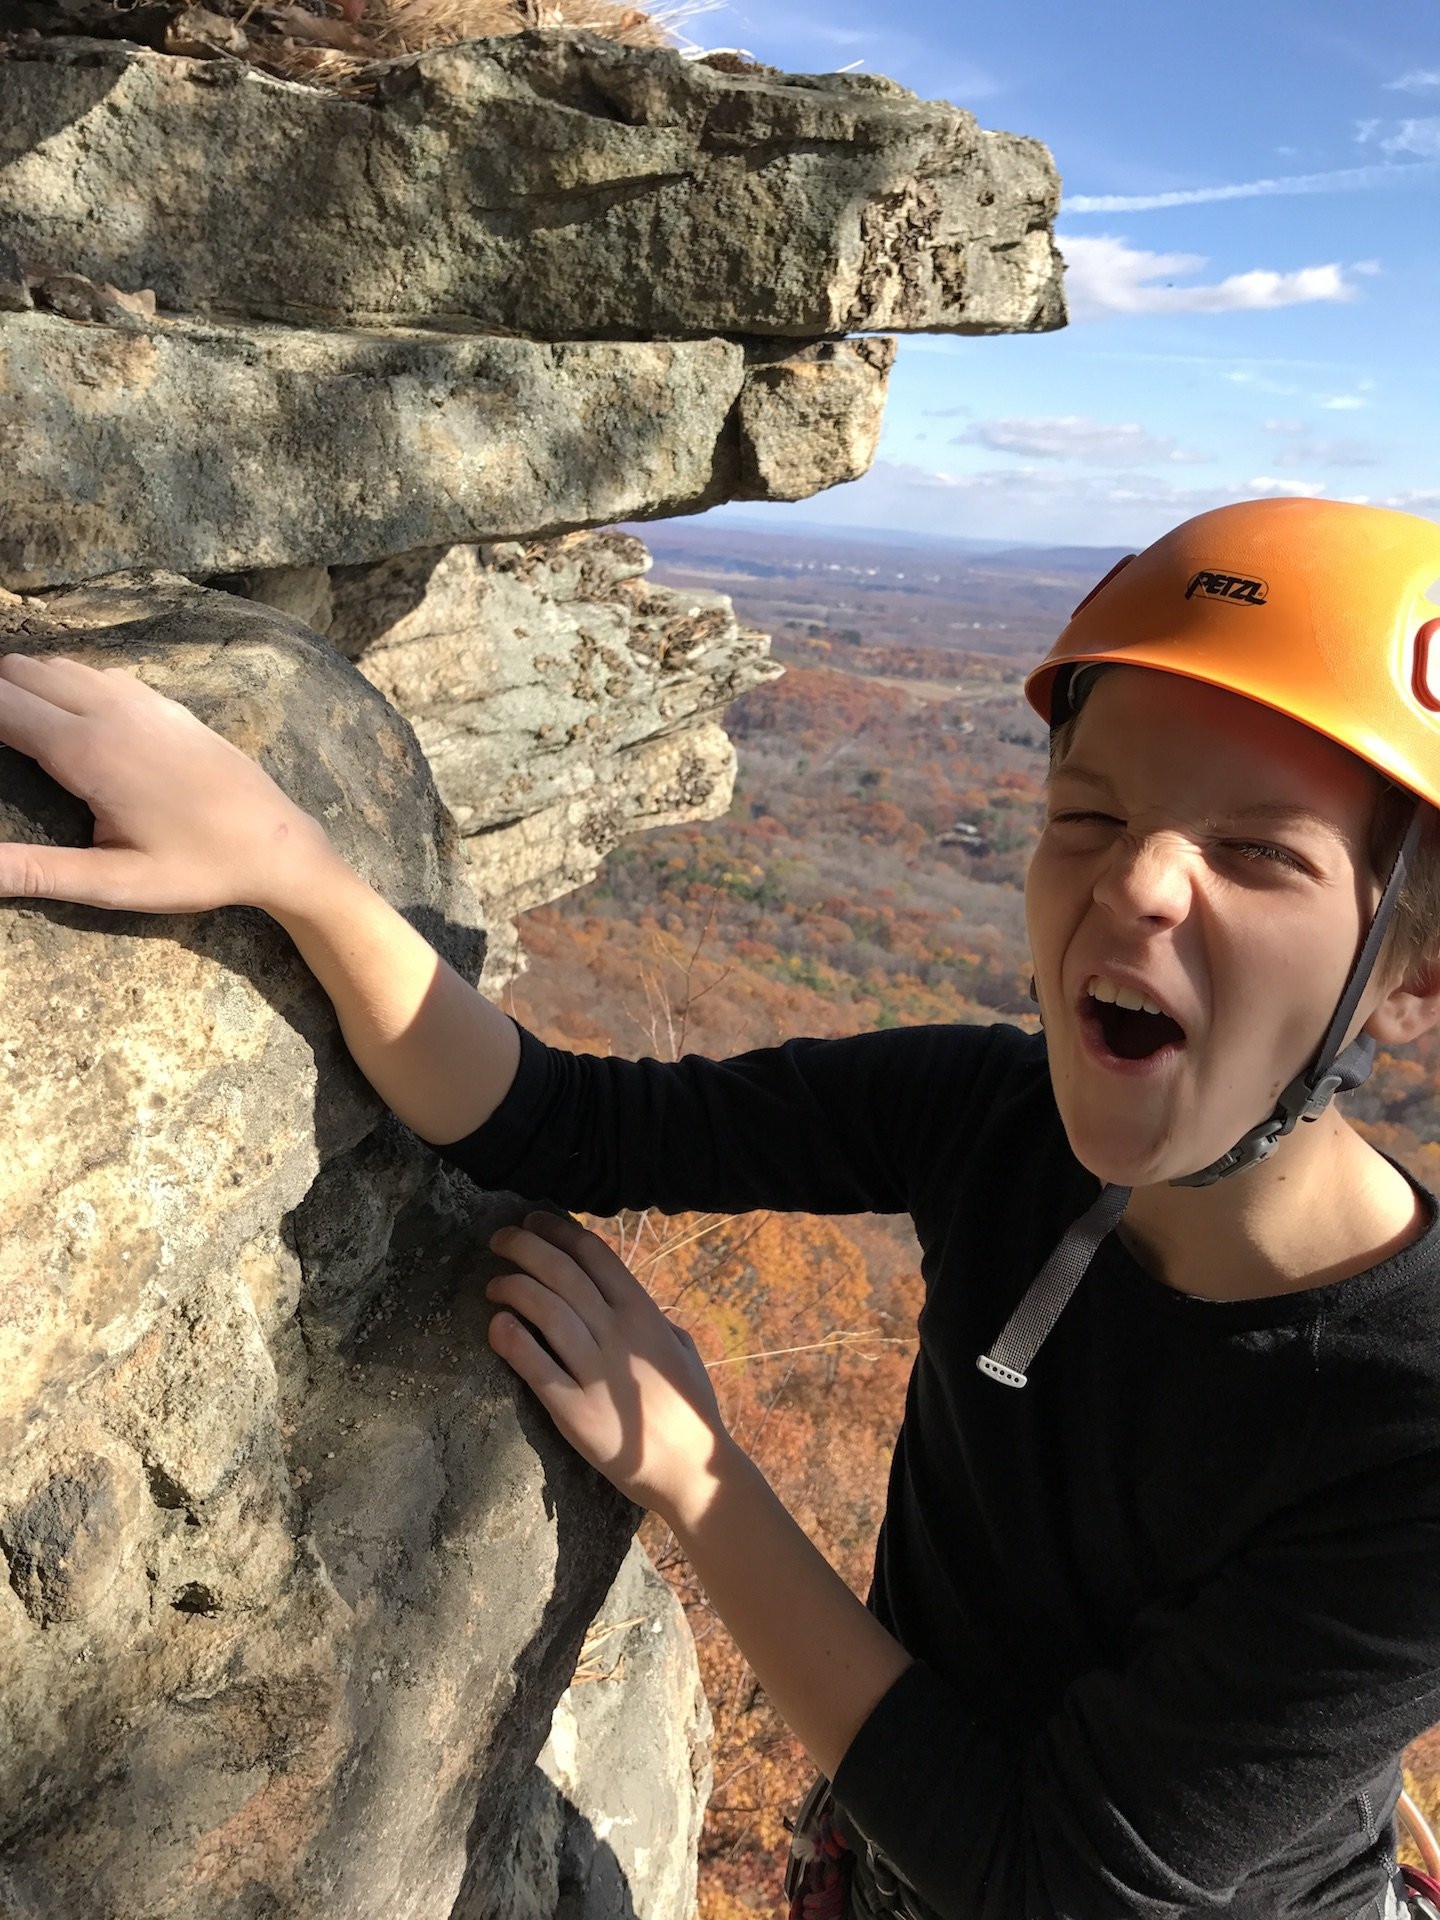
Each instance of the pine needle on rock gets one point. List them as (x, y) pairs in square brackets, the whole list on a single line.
[(336, 43)]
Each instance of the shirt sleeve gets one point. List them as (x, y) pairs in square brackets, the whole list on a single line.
[(1270, 1702), (814, 1126)]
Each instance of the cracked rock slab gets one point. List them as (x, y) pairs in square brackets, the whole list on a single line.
[(208, 448), (561, 699), (557, 185)]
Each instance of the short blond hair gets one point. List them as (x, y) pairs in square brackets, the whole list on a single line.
[(1412, 940)]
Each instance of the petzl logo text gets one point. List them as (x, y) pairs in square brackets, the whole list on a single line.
[(1228, 586)]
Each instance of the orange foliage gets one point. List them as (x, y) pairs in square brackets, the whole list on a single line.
[(806, 1324), (810, 1369), (603, 984)]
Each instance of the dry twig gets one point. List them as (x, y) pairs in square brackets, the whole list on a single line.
[(591, 1663)]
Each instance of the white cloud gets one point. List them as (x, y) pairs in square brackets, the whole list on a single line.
[(1286, 489), (1352, 402), (1123, 489), (1367, 130), (1262, 383), (1037, 502), (1338, 180), (1418, 80), (1106, 275), (1300, 447), (1072, 437), (1049, 503), (1420, 137)]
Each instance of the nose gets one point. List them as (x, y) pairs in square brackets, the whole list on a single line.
[(1147, 876)]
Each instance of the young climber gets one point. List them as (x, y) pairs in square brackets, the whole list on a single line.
[(1154, 1609)]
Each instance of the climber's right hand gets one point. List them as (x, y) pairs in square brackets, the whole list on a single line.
[(184, 821)]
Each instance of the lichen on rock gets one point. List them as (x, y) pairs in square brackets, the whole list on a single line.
[(561, 699)]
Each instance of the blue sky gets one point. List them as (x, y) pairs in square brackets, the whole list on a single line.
[(1251, 216)]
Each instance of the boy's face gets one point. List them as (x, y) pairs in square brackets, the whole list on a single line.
[(1207, 855)]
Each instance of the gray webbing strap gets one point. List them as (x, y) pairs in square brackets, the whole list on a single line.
[(1370, 947), (1044, 1299)]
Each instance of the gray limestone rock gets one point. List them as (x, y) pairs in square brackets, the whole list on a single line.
[(210, 448), (551, 184), (291, 1576), (15, 294), (794, 416), (615, 1803), (302, 592), (65, 1539), (562, 700), (74, 297)]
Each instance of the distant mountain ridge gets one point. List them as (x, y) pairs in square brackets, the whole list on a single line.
[(1009, 600), (756, 549)]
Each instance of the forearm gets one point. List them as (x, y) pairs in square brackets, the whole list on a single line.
[(439, 1054), (823, 1659)]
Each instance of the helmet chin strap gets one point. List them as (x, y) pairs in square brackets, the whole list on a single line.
[(1332, 1071)]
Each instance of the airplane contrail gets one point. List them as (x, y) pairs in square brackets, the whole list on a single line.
[(1339, 180)]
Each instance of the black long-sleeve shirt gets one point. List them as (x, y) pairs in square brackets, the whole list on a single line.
[(1175, 1605)]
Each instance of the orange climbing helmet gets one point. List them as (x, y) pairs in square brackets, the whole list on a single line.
[(1318, 608)]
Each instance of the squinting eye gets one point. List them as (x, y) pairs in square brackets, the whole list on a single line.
[(1262, 851), (1078, 833)]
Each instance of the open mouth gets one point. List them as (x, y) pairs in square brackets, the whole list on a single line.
[(1129, 1032)]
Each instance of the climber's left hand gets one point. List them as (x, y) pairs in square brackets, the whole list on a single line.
[(626, 1387)]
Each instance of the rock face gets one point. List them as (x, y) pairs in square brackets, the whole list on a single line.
[(612, 1819), (204, 447), (548, 184), (561, 700), (289, 1581)]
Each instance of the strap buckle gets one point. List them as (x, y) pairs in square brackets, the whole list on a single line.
[(997, 1370)]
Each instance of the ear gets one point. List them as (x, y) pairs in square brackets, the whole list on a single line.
[(1410, 1007)]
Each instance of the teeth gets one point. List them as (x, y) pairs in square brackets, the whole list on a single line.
[(1127, 997)]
